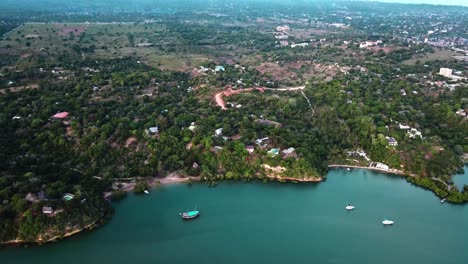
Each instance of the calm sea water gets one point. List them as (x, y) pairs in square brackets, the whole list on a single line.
[(272, 223), (461, 179)]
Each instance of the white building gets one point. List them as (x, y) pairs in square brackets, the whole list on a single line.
[(445, 72), (282, 28), (288, 151), (192, 126), (391, 141), (302, 45), (153, 130), (405, 127), (414, 133), (369, 44), (461, 112), (381, 166), (282, 37), (219, 132)]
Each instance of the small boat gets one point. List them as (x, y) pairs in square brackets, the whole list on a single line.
[(190, 214), (349, 207), (387, 222), (348, 169), (443, 200), (146, 191)]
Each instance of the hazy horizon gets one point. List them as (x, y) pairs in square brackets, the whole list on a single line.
[(431, 2), (46, 4)]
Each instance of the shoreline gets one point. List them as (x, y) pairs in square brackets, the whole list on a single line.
[(291, 179), (38, 242), (389, 171)]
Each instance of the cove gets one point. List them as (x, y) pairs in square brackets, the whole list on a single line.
[(272, 223)]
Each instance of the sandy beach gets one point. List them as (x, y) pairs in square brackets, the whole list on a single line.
[(392, 171)]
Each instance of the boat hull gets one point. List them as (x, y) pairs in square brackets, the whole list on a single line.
[(190, 215)]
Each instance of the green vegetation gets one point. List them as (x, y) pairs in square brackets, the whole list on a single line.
[(115, 88)]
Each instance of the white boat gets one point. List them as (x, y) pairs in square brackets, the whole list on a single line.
[(348, 169), (443, 200), (146, 192), (387, 222), (349, 207)]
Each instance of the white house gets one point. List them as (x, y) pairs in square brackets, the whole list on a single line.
[(414, 133), (445, 72), (153, 130), (192, 126), (405, 127), (259, 141), (282, 28), (461, 112), (219, 132), (47, 210), (302, 45), (381, 166), (391, 141), (288, 151)]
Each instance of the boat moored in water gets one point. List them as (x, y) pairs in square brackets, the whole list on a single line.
[(146, 191), (349, 207), (190, 214), (443, 200), (387, 222)]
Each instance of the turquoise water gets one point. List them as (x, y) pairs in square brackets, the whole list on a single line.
[(272, 223), (461, 179)]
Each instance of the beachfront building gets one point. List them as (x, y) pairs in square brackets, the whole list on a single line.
[(381, 166)]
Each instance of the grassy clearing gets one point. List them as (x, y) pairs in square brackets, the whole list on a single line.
[(100, 41), (439, 54)]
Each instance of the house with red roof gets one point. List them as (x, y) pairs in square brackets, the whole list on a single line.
[(60, 115)]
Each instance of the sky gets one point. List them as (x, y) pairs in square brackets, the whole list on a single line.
[(433, 2)]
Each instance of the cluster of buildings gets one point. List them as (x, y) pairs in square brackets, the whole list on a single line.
[(144, 45), (218, 68), (367, 44), (48, 210), (447, 72)]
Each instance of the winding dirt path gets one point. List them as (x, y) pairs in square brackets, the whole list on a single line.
[(228, 92)]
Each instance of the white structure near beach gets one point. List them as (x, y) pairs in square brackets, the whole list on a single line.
[(219, 132), (359, 152), (381, 166)]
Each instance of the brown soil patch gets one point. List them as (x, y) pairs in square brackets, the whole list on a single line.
[(19, 88), (276, 71), (384, 49), (130, 141), (228, 92), (71, 30)]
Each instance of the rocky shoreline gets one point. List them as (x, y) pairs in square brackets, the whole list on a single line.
[(40, 241)]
